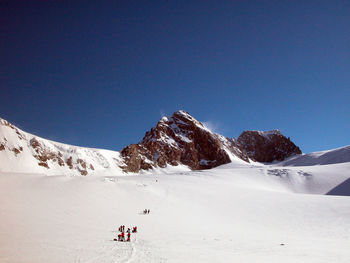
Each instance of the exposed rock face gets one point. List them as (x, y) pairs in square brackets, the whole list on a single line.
[(267, 146), (43, 154), (180, 139), (136, 158)]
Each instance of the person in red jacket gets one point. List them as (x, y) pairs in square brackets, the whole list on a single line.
[(128, 240)]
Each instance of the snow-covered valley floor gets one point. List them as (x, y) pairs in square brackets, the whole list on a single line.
[(233, 213)]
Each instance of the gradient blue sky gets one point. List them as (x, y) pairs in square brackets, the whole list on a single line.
[(101, 73)]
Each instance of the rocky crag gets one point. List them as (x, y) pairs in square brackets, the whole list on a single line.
[(267, 146), (181, 139)]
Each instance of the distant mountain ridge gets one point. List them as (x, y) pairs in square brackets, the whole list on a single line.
[(176, 140)]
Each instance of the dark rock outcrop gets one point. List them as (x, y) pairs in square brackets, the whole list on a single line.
[(267, 146), (44, 154), (180, 139), (136, 158)]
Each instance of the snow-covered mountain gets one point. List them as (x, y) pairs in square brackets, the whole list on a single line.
[(179, 140), (27, 153)]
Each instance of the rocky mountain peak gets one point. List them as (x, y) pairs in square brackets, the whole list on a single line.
[(179, 128), (180, 139), (267, 146)]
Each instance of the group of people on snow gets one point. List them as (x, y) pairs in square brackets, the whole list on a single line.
[(126, 237), (146, 211), (121, 236)]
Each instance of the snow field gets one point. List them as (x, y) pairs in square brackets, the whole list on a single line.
[(228, 214)]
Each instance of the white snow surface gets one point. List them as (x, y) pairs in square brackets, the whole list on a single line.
[(238, 212), (233, 213)]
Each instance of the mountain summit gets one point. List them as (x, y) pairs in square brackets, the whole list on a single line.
[(181, 139), (176, 140)]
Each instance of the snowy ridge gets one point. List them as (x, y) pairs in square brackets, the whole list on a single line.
[(338, 155), (24, 152)]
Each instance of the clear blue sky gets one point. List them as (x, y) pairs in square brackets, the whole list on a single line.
[(101, 73)]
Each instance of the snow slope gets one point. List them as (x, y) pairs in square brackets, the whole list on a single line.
[(18, 150), (339, 155), (233, 213)]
